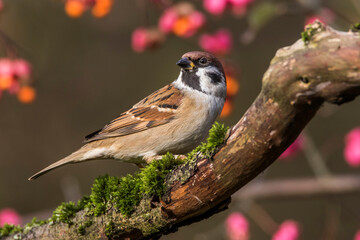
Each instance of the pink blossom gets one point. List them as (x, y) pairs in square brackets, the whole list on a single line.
[(21, 68), (237, 227), (352, 147), (14, 88), (294, 148), (9, 216), (167, 20), (357, 235), (139, 40), (312, 19), (6, 67), (215, 7), (218, 43), (240, 3), (196, 20), (325, 16), (288, 230), (239, 7)]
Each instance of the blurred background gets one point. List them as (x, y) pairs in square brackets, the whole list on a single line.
[(87, 69)]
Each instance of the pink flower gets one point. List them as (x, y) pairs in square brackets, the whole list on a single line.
[(352, 147), (237, 227), (9, 216), (167, 20), (215, 7), (196, 20), (139, 40), (14, 88), (240, 3), (146, 38), (294, 148), (325, 16), (239, 7), (21, 68), (218, 43), (1, 5), (6, 67), (357, 235), (288, 230)]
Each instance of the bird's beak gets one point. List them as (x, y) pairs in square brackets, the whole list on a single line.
[(186, 64)]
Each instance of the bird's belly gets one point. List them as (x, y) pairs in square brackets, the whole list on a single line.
[(178, 137)]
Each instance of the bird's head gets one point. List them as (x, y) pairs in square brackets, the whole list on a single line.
[(203, 72)]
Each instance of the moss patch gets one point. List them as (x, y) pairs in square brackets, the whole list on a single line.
[(216, 137), (310, 31), (206, 149), (9, 229), (129, 193), (355, 27)]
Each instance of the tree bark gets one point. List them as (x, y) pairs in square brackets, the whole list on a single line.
[(300, 78)]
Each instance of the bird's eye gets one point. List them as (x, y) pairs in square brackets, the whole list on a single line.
[(203, 61)]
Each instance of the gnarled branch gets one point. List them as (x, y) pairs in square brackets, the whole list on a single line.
[(300, 78)]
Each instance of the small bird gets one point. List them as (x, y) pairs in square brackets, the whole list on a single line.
[(174, 119)]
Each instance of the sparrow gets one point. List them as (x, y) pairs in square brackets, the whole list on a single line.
[(174, 119)]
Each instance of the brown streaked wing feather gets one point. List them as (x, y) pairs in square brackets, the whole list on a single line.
[(143, 115)]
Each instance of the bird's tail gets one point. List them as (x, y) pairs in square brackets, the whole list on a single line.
[(73, 158)]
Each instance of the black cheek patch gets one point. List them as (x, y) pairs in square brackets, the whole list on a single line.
[(191, 79), (216, 78)]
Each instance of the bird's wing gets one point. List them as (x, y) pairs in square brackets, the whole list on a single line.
[(157, 109)]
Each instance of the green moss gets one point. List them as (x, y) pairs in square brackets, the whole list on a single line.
[(34, 223), (9, 229), (207, 149), (125, 193), (216, 138), (355, 27), (64, 213), (153, 176), (310, 31), (109, 229), (81, 230)]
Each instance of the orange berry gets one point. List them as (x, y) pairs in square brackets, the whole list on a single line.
[(104, 3), (5, 82), (99, 12), (101, 8), (181, 26), (232, 86), (26, 94), (227, 109), (74, 8)]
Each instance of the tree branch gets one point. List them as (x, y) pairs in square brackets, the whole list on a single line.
[(298, 81)]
